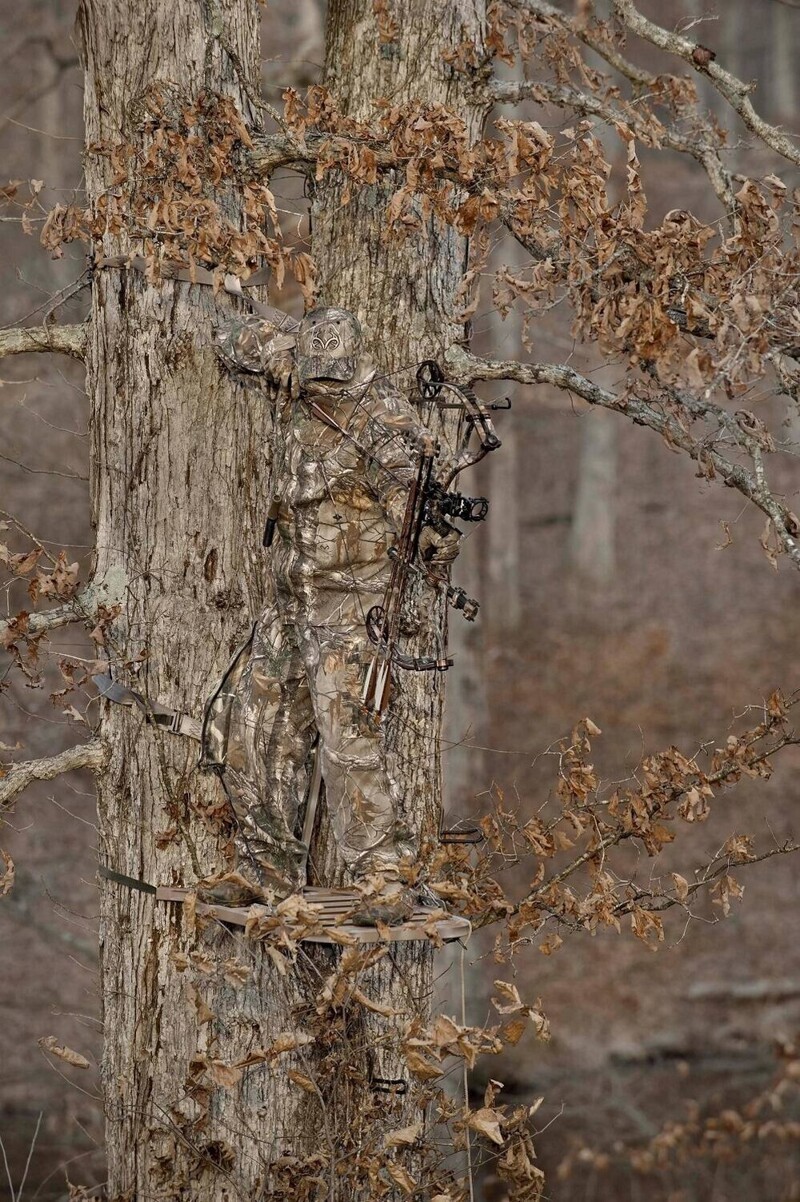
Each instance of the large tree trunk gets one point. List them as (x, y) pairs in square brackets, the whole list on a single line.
[(178, 486), (405, 294), (179, 480)]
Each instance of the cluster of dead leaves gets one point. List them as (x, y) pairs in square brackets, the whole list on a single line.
[(182, 196), (709, 1134), (582, 833)]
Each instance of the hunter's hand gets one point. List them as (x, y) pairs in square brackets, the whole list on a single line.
[(439, 548), (280, 370)]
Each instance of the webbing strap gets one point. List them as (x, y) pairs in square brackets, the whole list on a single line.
[(131, 882), (201, 275), (174, 721)]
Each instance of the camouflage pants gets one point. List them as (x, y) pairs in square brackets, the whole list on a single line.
[(287, 684)]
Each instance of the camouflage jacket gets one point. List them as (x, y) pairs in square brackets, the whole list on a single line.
[(343, 457)]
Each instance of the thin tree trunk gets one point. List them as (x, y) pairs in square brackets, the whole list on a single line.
[(592, 534)]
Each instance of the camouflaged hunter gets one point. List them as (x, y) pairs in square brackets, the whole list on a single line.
[(346, 444)]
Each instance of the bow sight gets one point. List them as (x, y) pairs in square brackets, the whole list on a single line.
[(455, 505)]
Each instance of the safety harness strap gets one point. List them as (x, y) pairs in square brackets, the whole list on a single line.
[(201, 275), (173, 721)]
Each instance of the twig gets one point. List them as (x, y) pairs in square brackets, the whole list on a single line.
[(733, 89), (30, 1155)]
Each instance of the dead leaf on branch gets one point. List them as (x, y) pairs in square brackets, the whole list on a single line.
[(726, 888), (487, 1122), (49, 1043), (420, 1066), (551, 944), (7, 879), (739, 848), (681, 886)]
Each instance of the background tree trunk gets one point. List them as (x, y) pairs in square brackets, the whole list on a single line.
[(591, 539), (179, 480)]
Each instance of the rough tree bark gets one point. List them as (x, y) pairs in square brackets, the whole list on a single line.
[(179, 480), (178, 485)]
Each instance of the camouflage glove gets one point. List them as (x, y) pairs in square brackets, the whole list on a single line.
[(240, 342), (441, 548), (280, 369)]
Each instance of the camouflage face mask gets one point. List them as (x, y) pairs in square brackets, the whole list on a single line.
[(328, 345)]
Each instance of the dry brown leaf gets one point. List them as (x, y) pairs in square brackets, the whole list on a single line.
[(403, 1135), (278, 959), (301, 1080), (681, 886), (7, 879), (421, 1067), (512, 1031), (487, 1122), (376, 1007), (401, 1177), (509, 1000), (236, 973), (226, 1075), (50, 1044)]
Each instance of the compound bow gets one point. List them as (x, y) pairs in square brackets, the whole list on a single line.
[(430, 503)]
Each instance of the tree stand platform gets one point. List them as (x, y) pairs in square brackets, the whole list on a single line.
[(329, 924)]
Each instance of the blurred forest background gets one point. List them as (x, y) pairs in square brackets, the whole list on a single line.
[(614, 585)]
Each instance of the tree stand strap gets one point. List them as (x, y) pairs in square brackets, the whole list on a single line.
[(131, 882), (174, 721)]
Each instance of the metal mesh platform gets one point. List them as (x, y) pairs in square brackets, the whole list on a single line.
[(327, 923)]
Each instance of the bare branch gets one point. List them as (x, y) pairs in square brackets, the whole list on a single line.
[(644, 413), (734, 90), (67, 340), (92, 755)]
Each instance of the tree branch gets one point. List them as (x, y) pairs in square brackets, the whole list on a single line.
[(92, 755), (86, 606), (67, 340), (733, 89), (567, 96), (76, 610), (752, 485), (584, 33)]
